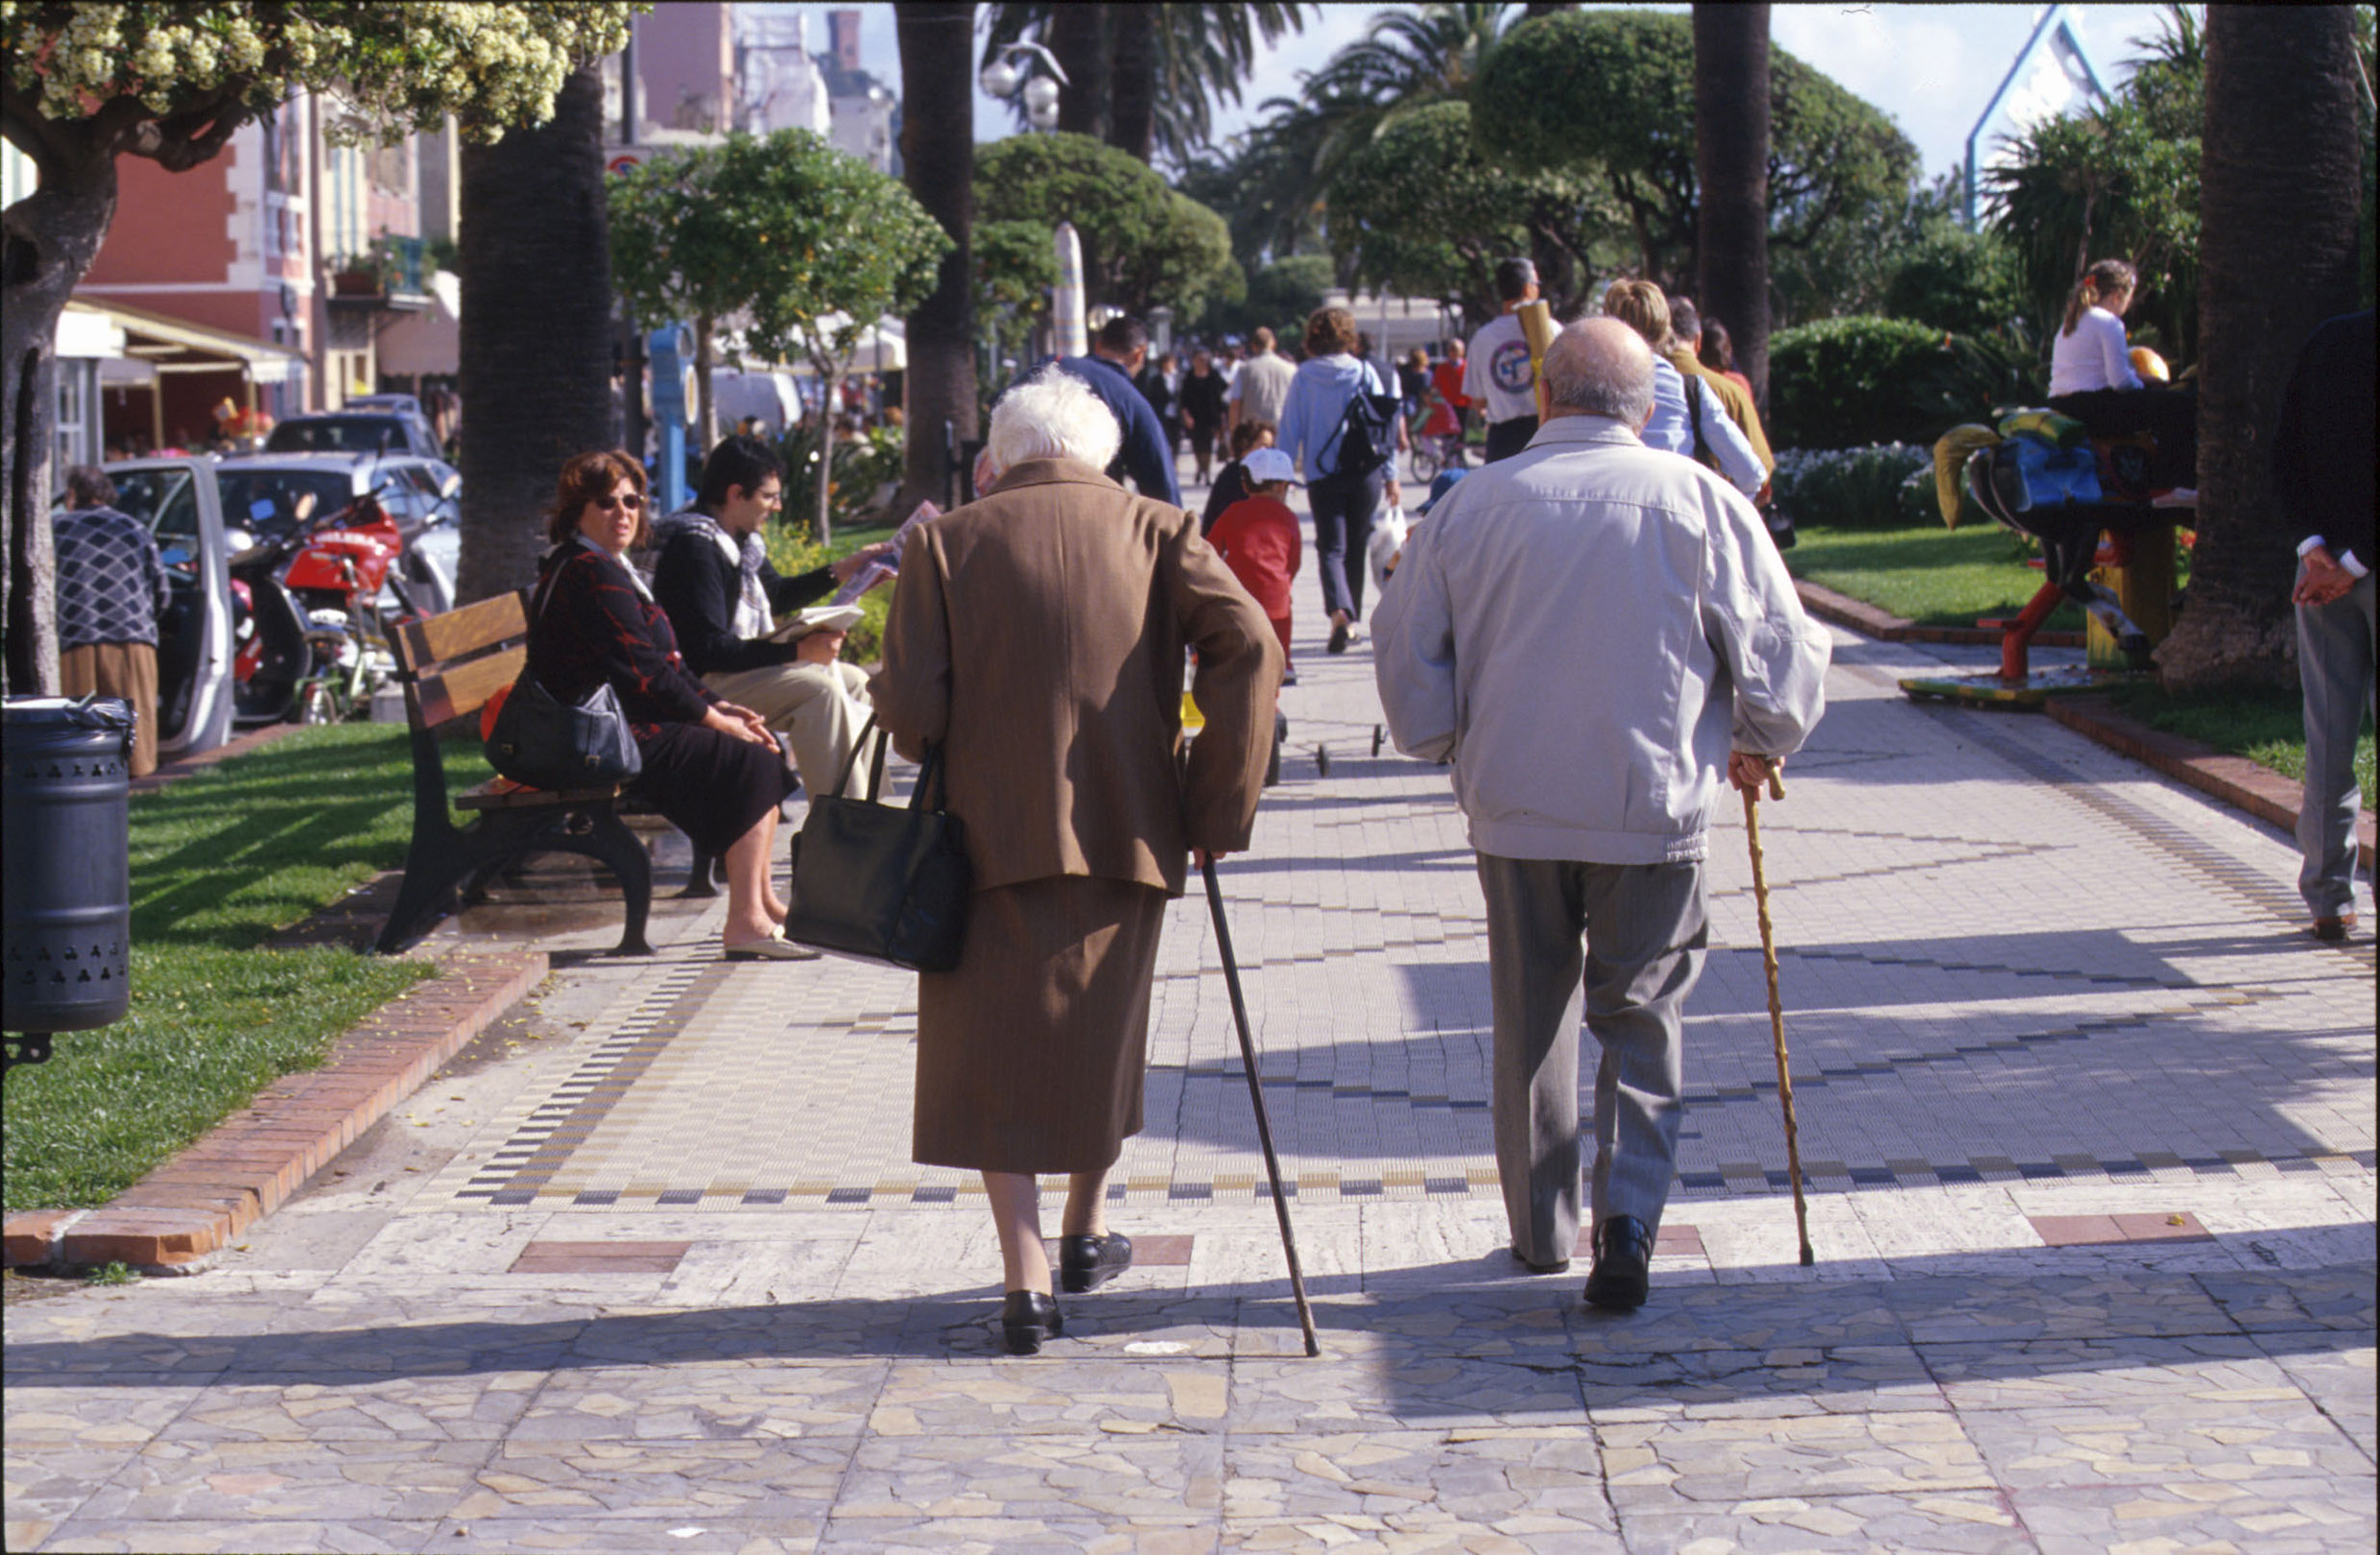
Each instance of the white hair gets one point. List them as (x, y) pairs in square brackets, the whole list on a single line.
[(1601, 367), (1052, 414)]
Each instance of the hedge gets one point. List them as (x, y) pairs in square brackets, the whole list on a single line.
[(1853, 382), (1889, 486)]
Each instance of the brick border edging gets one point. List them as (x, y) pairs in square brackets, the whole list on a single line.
[(1867, 619), (237, 745), (174, 1219), (2235, 780)]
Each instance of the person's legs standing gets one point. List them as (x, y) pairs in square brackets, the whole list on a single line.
[(127, 670), (1331, 497), (1364, 507), (1646, 930), (2335, 644), (1535, 912)]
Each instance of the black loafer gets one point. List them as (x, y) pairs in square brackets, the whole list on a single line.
[(1623, 1272), (1027, 1318), (1339, 634), (1557, 1266), (1086, 1262)]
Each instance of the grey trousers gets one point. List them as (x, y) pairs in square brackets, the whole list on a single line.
[(1645, 928), (2335, 669)]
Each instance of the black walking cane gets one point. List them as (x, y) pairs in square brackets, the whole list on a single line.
[(1255, 1095)]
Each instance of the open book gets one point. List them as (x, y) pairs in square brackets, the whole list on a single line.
[(887, 565)]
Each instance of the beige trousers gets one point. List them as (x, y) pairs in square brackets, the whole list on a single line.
[(820, 708), (118, 669)]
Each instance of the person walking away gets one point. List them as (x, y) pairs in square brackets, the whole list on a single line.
[(1413, 388), (1231, 481), (111, 591), (1718, 352), (1155, 382), (2093, 380), (2323, 467), (1343, 500), (1683, 421), (1684, 352), (710, 767), (1146, 457), (1592, 631), (1257, 538), (1037, 640), (1499, 376), (1260, 389), (713, 578), (1201, 412)]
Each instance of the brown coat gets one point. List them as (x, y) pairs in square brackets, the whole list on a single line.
[(1038, 633)]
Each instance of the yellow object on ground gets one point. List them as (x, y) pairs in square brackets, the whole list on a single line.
[(2150, 364), (1950, 451)]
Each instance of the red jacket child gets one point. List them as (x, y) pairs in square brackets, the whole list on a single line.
[(1257, 537)]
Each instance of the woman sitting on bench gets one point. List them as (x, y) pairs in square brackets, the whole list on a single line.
[(710, 767), (2092, 380)]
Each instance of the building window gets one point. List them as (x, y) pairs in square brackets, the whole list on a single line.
[(73, 411)]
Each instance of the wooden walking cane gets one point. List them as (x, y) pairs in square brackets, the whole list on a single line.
[(1777, 1012), (1255, 1095)]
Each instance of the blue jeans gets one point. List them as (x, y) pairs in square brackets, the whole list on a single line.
[(1343, 507)]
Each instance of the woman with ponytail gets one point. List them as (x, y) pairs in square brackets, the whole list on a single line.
[(2093, 380)]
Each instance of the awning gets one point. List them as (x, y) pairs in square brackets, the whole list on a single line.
[(86, 332), (178, 346)]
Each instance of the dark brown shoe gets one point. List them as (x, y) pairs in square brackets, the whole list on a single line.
[(2331, 930), (1623, 1273)]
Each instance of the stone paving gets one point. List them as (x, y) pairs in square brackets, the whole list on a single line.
[(2089, 1127)]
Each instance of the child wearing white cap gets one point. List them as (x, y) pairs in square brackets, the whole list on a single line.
[(1258, 537)]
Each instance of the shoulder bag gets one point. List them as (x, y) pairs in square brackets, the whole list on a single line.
[(546, 743), (1778, 522), (1367, 430), (880, 881)]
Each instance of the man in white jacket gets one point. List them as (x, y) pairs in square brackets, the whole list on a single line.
[(1590, 632)]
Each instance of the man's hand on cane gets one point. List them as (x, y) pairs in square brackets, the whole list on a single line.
[(1751, 772)]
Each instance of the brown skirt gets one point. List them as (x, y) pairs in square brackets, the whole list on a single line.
[(1030, 1053)]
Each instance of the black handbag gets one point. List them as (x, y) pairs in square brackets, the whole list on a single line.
[(881, 882), (547, 743)]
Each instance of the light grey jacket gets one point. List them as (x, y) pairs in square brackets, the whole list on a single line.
[(1585, 630)]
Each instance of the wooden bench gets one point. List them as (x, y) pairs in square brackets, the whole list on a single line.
[(449, 665)]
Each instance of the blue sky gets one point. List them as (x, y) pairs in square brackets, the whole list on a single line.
[(1932, 68)]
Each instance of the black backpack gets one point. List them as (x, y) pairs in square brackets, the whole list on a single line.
[(1366, 434)]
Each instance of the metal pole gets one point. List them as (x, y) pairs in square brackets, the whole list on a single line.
[(1255, 1095), (1777, 1015)]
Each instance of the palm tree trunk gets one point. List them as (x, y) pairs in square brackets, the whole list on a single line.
[(1078, 35), (938, 156), (536, 347), (52, 237), (1731, 170), (2279, 197), (1133, 86)]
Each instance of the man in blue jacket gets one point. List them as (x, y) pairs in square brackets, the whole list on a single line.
[(1117, 353)]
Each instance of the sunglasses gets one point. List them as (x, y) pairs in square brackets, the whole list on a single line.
[(611, 504)]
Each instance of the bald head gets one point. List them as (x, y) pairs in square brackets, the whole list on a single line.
[(1599, 367)]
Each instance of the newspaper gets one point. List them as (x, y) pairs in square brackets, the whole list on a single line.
[(889, 564)]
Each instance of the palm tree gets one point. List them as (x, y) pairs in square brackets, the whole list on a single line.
[(1078, 35), (1731, 169), (937, 155), (2279, 197), (536, 329)]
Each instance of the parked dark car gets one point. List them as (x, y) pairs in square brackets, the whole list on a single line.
[(375, 431)]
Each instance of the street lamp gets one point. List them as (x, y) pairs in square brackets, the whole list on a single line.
[(1001, 79)]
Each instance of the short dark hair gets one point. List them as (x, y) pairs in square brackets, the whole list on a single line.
[(1248, 434), (1683, 322), (1122, 336), (87, 485), (1514, 276), (587, 477), (1330, 333), (742, 460)]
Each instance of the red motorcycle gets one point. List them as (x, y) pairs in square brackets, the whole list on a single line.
[(311, 645)]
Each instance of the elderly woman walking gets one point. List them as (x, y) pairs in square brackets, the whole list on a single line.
[(1037, 636)]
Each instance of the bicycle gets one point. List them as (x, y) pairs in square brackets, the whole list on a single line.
[(1431, 454)]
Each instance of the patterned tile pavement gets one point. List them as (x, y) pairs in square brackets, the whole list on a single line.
[(648, 1268)]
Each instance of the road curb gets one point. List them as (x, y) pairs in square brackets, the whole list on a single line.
[(1865, 618), (2236, 781), (173, 1220)]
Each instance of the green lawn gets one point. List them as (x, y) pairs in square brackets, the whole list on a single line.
[(2267, 726), (1930, 575), (221, 860)]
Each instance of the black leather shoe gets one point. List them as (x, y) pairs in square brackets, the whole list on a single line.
[(1086, 1262), (1027, 1318), (1623, 1270), (1557, 1266)]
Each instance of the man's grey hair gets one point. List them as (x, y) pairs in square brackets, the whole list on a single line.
[(1601, 367), (1052, 414)]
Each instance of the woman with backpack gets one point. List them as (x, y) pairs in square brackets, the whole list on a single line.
[(1341, 428)]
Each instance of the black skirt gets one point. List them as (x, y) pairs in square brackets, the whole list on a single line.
[(711, 786)]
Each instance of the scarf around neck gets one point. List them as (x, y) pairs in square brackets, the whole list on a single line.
[(752, 615)]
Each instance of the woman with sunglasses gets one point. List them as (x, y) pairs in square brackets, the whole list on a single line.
[(710, 767)]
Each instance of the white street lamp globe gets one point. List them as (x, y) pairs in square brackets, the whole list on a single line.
[(998, 80), (1040, 93), (1042, 118)]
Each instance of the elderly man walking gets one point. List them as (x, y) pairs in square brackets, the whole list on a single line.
[(1591, 631)]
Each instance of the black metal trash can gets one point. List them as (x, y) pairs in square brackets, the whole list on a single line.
[(65, 825)]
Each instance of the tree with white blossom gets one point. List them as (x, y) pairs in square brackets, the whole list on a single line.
[(85, 84)]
